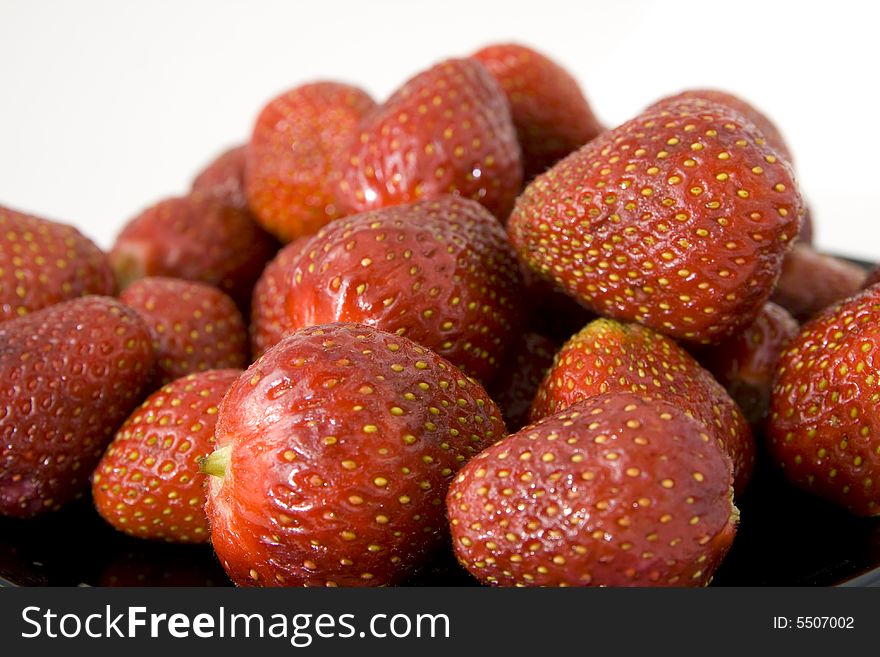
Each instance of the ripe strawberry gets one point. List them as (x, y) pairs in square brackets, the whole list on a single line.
[(439, 271), (607, 356), (335, 451), (71, 374), (620, 490), (43, 263), (223, 178), (811, 281), (745, 364), (823, 425), (290, 171), (269, 321), (678, 219), (761, 121), (148, 484), (446, 131), (197, 238), (521, 373), (551, 115), (194, 327)]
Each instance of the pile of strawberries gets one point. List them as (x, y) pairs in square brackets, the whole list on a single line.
[(494, 327)]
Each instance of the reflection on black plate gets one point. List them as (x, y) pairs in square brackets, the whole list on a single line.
[(786, 538)]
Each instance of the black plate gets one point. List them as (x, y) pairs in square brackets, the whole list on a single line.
[(786, 538)]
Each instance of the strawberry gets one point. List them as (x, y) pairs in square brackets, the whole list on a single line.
[(745, 364), (619, 490), (811, 281), (71, 374), (43, 263), (148, 484), (335, 451), (823, 425), (223, 178), (268, 316), (448, 130), (290, 171), (678, 219), (521, 373), (194, 327), (439, 271), (607, 356), (551, 115), (197, 238), (760, 120)]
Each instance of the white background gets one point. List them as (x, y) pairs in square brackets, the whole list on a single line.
[(105, 107)]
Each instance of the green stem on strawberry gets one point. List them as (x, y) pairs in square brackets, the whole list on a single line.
[(217, 463)]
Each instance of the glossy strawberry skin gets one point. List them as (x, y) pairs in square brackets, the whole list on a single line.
[(745, 364), (340, 444), (619, 490), (269, 321), (811, 281), (678, 219), (43, 263), (194, 326), (551, 114), (440, 272), (71, 374), (448, 130), (196, 238), (524, 367), (761, 121), (223, 178), (609, 356), (824, 427), (290, 171), (147, 483)]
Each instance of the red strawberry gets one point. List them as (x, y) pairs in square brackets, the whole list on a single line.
[(761, 121), (223, 178), (521, 373), (824, 426), (269, 321), (194, 327), (678, 219), (148, 484), (197, 238), (71, 374), (440, 272), (620, 490), (811, 281), (290, 174), (43, 263), (548, 108), (607, 356), (446, 131), (336, 449), (745, 364)]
